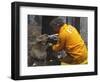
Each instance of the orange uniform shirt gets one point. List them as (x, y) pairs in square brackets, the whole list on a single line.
[(71, 41)]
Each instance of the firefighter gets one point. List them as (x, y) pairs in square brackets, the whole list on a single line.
[(70, 41)]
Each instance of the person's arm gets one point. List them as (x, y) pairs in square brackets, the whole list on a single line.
[(60, 44)]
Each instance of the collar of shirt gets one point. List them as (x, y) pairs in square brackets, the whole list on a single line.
[(64, 27)]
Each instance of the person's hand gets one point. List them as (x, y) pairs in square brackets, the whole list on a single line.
[(50, 44)]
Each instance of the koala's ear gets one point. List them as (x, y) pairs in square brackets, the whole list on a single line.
[(38, 40), (45, 34)]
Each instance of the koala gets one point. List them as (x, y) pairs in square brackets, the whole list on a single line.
[(38, 52)]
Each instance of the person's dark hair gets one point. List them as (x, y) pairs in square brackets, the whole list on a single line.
[(57, 22)]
